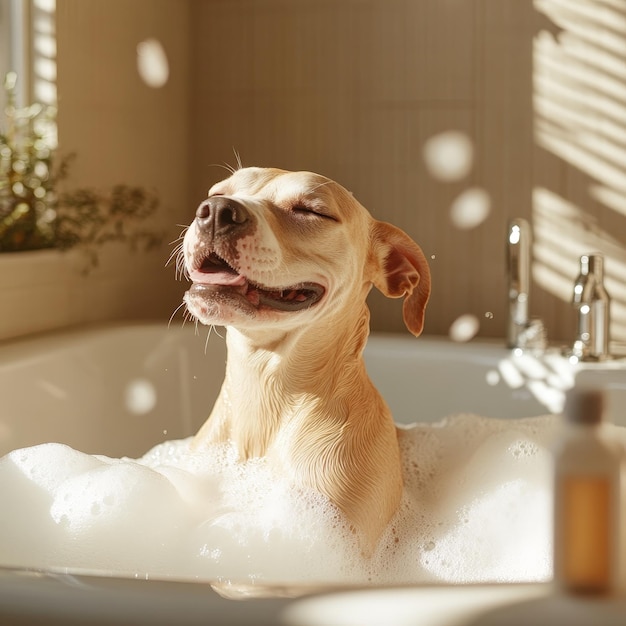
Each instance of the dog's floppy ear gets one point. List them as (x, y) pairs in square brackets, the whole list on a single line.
[(401, 270)]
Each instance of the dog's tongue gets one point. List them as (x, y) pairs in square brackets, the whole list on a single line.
[(219, 277), (217, 273)]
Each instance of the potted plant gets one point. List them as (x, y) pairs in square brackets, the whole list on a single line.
[(35, 214)]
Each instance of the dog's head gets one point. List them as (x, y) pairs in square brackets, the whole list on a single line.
[(270, 246)]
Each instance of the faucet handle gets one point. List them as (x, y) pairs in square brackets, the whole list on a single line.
[(592, 304)]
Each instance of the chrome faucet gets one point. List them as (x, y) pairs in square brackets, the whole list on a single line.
[(522, 331), (592, 303)]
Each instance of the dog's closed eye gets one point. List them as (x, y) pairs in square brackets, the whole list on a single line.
[(311, 211)]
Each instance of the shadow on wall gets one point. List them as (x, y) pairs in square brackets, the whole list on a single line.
[(579, 198)]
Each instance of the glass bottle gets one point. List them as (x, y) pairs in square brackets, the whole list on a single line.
[(588, 473)]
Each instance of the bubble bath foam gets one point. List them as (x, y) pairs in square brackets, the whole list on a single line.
[(477, 507)]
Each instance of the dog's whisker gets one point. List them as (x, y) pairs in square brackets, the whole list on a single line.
[(212, 329), (181, 236), (177, 255), (178, 308), (181, 267), (185, 228), (225, 166), (178, 239), (238, 159), (231, 169), (206, 341), (323, 184), (188, 316), (174, 254)]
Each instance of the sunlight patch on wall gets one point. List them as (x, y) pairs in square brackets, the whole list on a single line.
[(44, 51), (578, 119), (564, 232), (612, 198), (579, 101)]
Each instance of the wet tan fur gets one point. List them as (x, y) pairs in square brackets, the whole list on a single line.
[(296, 389)]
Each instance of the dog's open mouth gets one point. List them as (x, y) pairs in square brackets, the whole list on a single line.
[(215, 274)]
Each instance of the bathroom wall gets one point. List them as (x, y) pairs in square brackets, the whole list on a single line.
[(121, 131), (367, 92), (445, 117)]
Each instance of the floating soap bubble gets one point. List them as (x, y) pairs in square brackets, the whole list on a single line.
[(470, 209), (140, 396), (152, 63), (448, 156), (492, 377), (464, 328)]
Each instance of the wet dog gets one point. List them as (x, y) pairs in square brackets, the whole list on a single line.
[(285, 261)]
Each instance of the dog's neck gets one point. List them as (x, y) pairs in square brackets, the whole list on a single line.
[(275, 380), (303, 400)]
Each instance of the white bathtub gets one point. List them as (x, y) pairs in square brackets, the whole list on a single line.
[(119, 389), (114, 389)]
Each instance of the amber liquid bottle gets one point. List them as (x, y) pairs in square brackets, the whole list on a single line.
[(587, 499)]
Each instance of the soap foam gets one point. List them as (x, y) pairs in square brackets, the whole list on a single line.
[(476, 507)]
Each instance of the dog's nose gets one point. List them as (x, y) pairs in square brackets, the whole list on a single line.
[(219, 214)]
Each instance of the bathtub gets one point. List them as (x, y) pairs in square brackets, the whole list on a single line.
[(118, 389), (86, 386)]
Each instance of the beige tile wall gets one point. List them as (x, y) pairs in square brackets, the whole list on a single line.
[(355, 89), (121, 131)]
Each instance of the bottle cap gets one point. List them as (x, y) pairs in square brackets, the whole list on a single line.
[(584, 406)]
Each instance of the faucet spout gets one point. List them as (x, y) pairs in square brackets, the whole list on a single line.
[(522, 331), (518, 267)]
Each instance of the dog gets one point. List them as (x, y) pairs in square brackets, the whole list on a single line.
[(285, 260)]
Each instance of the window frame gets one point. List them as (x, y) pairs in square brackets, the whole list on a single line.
[(15, 46)]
